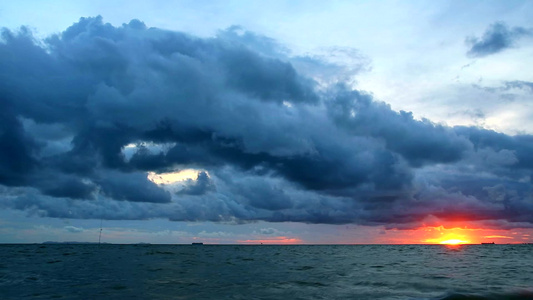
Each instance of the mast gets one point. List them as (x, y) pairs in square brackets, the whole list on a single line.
[(100, 235)]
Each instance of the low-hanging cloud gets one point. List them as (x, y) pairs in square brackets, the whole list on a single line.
[(496, 38), (274, 143)]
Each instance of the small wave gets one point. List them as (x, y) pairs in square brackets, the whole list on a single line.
[(54, 261), (117, 287), (438, 277), (520, 295), (159, 252), (309, 283), (303, 268)]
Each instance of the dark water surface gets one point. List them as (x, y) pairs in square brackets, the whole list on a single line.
[(266, 272)]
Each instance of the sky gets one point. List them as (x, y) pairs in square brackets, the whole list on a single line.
[(283, 122)]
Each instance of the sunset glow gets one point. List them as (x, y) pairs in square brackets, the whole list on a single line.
[(454, 236), (453, 242), (453, 233)]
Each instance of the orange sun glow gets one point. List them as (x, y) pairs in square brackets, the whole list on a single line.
[(452, 236), (453, 233), (453, 242)]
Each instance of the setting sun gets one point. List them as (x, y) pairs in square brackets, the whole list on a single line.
[(453, 242)]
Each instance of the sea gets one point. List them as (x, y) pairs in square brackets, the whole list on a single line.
[(145, 271)]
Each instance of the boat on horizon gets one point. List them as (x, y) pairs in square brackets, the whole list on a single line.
[(491, 243)]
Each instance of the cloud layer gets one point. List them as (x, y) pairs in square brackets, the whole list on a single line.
[(274, 142)]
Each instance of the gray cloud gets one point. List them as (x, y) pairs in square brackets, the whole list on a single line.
[(274, 143), (519, 84), (496, 38)]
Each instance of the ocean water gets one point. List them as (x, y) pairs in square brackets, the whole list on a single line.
[(61, 271)]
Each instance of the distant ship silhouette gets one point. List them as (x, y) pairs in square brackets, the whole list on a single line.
[(491, 243)]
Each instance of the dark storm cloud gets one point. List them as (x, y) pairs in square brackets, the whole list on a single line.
[(16, 153), (86, 113), (131, 187), (519, 146), (61, 185), (200, 186), (496, 38), (419, 142)]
